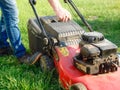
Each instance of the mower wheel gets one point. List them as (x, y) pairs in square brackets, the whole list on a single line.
[(46, 63), (78, 86)]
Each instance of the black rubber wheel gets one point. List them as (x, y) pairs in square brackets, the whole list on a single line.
[(78, 86), (46, 63)]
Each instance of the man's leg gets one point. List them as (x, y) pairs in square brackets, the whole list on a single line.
[(4, 45), (10, 13), (3, 35)]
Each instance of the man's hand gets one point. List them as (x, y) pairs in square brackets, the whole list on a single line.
[(61, 13)]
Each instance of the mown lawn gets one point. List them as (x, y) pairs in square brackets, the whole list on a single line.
[(102, 15)]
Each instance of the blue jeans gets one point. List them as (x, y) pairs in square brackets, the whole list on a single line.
[(9, 31)]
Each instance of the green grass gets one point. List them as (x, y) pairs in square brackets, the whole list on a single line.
[(102, 15)]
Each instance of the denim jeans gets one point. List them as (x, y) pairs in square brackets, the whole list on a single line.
[(9, 31)]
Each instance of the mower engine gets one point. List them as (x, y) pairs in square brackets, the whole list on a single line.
[(97, 54)]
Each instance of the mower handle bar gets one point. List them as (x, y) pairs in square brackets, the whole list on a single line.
[(79, 14), (32, 3)]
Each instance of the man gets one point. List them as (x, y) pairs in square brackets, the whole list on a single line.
[(9, 30)]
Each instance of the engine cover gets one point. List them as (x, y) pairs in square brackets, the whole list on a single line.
[(67, 33)]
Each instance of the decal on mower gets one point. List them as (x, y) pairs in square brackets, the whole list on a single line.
[(64, 51)]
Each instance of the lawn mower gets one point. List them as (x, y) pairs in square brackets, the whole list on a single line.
[(84, 60)]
